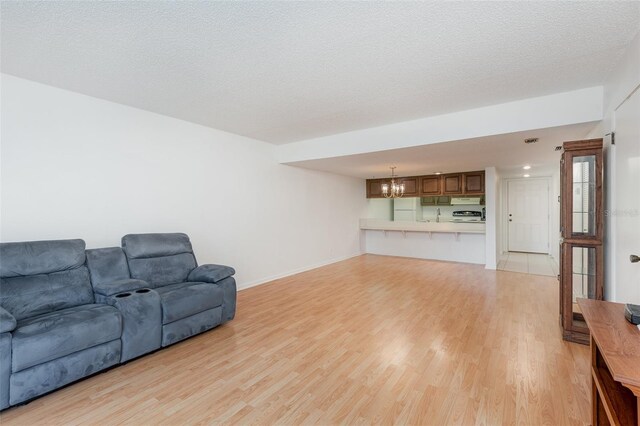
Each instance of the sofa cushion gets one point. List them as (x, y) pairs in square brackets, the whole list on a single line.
[(159, 259), (160, 271), (56, 334), (34, 295), (40, 257), (7, 321), (138, 246), (107, 265), (185, 299)]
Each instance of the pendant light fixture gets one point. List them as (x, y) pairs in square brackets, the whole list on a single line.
[(394, 189)]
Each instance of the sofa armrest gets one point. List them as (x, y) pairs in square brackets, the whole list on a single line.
[(7, 321), (210, 273), (119, 286)]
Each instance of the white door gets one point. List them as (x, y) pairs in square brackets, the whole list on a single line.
[(528, 215), (627, 200)]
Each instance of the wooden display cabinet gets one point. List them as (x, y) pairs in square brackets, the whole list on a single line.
[(581, 226)]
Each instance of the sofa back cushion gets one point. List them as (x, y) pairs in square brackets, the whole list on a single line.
[(159, 259), (38, 277), (107, 265)]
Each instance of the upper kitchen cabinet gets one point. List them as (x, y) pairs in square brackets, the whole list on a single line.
[(452, 184), (411, 186), (374, 187), (430, 185), (433, 187), (473, 182)]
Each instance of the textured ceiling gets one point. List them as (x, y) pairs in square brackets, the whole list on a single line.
[(508, 153), (286, 71)]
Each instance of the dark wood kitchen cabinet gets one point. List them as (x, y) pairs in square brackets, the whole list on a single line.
[(411, 186), (473, 182), (442, 200), (433, 187), (374, 187), (452, 184), (430, 185)]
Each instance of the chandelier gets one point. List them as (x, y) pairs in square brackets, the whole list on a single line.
[(395, 189)]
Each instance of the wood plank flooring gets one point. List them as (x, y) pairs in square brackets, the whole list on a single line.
[(372, 339)]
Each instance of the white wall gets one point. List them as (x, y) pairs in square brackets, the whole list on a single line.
[(492, 205), (623, 81), (554, 223), (379, 208), (73, 166)]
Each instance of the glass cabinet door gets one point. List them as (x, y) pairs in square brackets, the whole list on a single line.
[(583, 195), (582, 188), (583, 277)]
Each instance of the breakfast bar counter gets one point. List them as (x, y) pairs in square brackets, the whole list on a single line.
[(450, 241), (419, 226)]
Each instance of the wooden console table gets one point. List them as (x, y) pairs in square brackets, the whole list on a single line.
[(615, 363)]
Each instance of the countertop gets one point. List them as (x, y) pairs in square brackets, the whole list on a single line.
[(411, 226)]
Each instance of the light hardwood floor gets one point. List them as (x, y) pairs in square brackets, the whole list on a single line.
[(369, 340)]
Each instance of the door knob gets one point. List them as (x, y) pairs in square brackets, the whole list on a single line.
[(634, 258)]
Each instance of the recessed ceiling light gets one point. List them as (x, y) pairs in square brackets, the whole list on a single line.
[(438, 173), (526, 175), (526, 167)]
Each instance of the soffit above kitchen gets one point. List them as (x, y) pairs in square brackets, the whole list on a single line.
[(288, 71), (507, 152)]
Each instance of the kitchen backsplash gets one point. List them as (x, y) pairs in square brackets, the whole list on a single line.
[(382, 208)]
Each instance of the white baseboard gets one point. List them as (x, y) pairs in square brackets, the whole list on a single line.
[(244, 286)]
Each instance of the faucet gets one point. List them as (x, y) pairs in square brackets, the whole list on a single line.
[(438, 214)]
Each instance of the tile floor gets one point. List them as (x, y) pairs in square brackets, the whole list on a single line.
[(528, 263)]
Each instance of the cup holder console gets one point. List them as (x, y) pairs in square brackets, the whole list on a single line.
[(141, 321)]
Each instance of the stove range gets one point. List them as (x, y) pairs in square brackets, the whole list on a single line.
[(466, 216)]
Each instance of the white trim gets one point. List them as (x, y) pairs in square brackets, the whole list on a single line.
[(261, 281)]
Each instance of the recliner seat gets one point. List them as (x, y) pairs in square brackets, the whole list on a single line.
[(52, 332), (189, 306)]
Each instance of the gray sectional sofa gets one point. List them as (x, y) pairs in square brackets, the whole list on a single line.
[(67, 313)]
